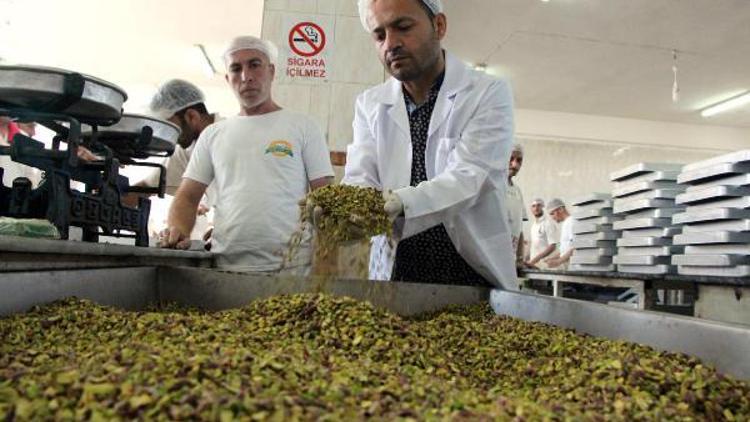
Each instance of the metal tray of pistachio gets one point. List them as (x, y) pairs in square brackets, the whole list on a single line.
[(725, 225), (711, 237), (644, 241), (656, 176), (652, 232), (649, 250), (710, 215), (630, 206), (638, 187), (730, 158), (737, 271), (736, 180), (641, 260), (593, 237), (590, 260), (705, 260), (713, 194), (713, 172), (640, 169), (642, 223), (740, 203), (592, 213), (647, 269)]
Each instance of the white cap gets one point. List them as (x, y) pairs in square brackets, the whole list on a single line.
[(436, 6), (173, 96), (539, 201), (249, 42), (518, 148), (555, 204)]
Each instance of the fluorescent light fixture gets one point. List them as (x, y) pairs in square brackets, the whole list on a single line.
[(481, 67), (726, 105)]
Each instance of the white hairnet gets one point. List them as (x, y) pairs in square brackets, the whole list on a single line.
[(555, 204), (436, 6), (539, 201), (173, 96), (518, 148), (249, 42)]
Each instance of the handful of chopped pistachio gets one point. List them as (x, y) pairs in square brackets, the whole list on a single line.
[(349, 213)]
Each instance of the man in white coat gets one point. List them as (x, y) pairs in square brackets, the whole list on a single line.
[(436, 137)]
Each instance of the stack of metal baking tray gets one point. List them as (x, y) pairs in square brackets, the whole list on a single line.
[(716, 222), (644, 198), (594, 241)]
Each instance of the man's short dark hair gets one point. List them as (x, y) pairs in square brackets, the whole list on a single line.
[(200, 108)]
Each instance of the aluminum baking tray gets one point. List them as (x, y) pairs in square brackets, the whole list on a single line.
[(713, 172), (657, 176), (591, 198), (705, 260), (628, 206), (741, 203), (711, 238), (719, 226), (731, 249), (641, 223), (647, 269), (656, 213), (654, 232), (592, 213), (597, 205), (595, 252), (713, 194), (601, 220), (596, 268), (593, 237), (738, 271), (639, 169), (732, 157), (736, 180), (641, 260), (590, 260), (579, 243), (44, 89), (654, 194), (582, 227), (650, 250), (644, 241), (638, 187), (710, 215)]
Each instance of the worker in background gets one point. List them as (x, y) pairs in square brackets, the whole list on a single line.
[(544, 236), (516, 205), (560, 214), (184, 104), (261, 163), (436, 138), (11, 169)]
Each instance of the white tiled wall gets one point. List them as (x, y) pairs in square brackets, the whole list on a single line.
[(353, 65)]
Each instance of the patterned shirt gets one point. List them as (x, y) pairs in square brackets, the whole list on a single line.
[(429, 256)]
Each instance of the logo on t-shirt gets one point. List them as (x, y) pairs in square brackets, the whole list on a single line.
[(280, 149)]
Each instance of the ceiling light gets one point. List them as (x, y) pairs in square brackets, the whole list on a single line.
[(481, 67), (734, 102), (545, 1)]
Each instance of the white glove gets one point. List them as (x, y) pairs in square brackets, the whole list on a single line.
[(393, 205)]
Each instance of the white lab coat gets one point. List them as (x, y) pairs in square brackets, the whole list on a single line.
[(466, 158)]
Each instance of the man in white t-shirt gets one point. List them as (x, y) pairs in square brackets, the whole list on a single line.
[(543, 236), (560, 214), (261, 163), (516, 208)]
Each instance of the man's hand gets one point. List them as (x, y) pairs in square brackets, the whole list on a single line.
[(393, 205), (314, 214), (172, 238), (86, 155)]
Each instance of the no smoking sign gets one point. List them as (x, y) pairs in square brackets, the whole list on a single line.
[(307, 51)]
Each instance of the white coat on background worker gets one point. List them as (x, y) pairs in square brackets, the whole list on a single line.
[(468, 147)]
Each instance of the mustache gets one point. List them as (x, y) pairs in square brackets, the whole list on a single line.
[(396, 54)]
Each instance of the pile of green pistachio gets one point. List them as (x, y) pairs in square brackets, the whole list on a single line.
[(306, 357), (350, 212)]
